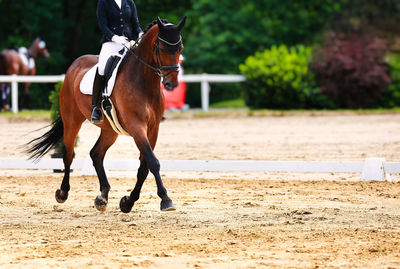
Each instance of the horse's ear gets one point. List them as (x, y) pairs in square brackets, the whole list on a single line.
[(160, 23), (181, 23)]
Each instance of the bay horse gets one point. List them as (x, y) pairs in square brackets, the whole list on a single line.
[(140, 106), (12, 63)]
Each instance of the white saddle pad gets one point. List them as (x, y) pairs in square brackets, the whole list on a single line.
[(86, 85), (29, 62)]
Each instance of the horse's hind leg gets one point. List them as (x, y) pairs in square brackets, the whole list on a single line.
[(71, 130), (106, 139)]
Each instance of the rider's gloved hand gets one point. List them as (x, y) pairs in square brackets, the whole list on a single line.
[(131, 44), (119, 39), (140, 36)]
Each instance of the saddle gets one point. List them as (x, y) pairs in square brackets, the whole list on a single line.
[(112, 68), (26, 59), (112, 63)]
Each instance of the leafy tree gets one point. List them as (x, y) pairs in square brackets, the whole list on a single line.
[(172, 10), (218, 35), (225, 32)]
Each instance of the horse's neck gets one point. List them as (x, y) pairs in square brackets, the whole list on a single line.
[(145, 52), (32, 50), (146, 47)]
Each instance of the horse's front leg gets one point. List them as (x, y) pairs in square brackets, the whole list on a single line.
[(106, 139), (146, 149), (127, 202), (153, 165)]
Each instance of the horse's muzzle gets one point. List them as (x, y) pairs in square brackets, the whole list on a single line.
[(46, 54), (168, 85)]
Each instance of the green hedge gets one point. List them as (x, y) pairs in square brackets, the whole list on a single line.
[(54, 99), (391, 96), (279, 78)]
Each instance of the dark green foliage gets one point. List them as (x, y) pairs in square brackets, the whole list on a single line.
[(279, 78), (218, 35), (227, 31), (172, 10), (355, 14), (224, 33)]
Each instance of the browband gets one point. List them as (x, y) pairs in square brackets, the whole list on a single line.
[(171, 44)]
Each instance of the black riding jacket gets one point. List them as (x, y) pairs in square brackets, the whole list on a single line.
[(115, 21)]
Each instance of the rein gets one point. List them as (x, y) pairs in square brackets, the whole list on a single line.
[(157, 70)]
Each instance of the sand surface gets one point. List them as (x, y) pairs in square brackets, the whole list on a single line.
[(223, 220)]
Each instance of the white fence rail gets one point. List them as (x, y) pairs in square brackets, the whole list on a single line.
[(204, 79), (14, 80), (371, 169)]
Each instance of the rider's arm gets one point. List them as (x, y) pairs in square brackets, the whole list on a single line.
[(102, 19)]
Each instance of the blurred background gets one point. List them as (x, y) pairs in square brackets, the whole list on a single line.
[(295, 54)]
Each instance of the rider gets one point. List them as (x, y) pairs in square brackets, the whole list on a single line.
[(119, 23)]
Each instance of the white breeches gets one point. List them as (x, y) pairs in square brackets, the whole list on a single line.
[(107, 49)]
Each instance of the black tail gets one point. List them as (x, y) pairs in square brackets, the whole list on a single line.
[(41, 145)]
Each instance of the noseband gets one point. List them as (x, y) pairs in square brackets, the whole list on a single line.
[(158, 70)]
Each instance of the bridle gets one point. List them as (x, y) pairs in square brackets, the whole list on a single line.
[(158, 70)]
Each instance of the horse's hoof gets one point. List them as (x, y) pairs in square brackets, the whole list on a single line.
[(125, 205), (100, 203), (61, 196), (167, 205)]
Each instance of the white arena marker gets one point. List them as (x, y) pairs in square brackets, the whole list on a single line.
[(374, 170)]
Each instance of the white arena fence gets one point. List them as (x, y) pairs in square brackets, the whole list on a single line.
[(14, 80), (372, 169), (204, 79)]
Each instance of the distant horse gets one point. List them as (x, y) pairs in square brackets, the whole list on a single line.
[(140, 106), (21, 61)]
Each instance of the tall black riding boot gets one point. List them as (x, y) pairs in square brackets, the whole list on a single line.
[(98, 87)]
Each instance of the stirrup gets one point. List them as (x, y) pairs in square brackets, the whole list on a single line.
[(99, 118)]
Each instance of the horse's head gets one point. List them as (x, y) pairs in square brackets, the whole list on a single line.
[(168, 49), (41, 48)]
